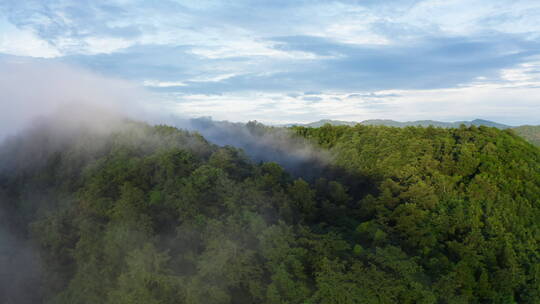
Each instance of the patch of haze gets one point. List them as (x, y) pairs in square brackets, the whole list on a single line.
[(33, 87), (62, 144), (46, 108), (43, 136), (79, 99), (263, 143), (20, 265)]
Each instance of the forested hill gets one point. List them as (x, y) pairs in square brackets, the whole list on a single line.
[(143, 214), (530, 133)]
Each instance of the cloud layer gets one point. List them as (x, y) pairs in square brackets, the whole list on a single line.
[(257, 59)]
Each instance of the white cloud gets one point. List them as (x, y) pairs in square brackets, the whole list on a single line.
[(526, 74), (248, 47), (462, 17), (23, 42), (163, 84), (105, 45), (494, 101), (212, 77), (37, 87)]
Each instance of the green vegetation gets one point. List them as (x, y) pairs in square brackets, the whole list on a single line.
[(159, 215), (530, 133), (434, 123)]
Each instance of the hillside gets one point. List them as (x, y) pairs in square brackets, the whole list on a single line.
[(449, 198), (155, 214), (530, 133), (427, 123)]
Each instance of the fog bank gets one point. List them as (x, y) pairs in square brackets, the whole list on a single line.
[(31, 88)]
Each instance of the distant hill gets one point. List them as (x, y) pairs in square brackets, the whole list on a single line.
[(393, 123), (426, 123), (322, 122), (530, 133)]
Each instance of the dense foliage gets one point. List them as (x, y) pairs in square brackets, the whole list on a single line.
[(159, 215), (464, 204), (530, 133)]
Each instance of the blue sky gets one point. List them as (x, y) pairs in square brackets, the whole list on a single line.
[(297, 61)]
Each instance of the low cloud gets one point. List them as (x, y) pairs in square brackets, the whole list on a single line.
[(69, 99), (32, 88)]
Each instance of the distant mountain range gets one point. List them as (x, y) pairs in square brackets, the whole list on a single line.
[(393, 123), (530, 133)]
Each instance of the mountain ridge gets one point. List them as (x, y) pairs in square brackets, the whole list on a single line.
[(395, 123), (531, 133)]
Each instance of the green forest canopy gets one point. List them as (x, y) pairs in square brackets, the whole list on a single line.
[(159, 215), (530, 133)]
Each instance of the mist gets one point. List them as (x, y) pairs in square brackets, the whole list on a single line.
[(46, 107), (20, 264), (34, 91), (33, 88), (262, 143)]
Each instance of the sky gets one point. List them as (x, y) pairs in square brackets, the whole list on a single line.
[(282, 61)]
